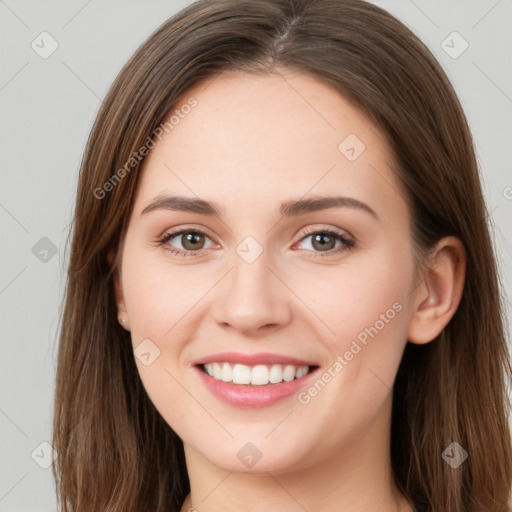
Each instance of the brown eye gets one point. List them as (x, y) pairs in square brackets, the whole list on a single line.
[(323, 242), (186, 242), (192, 240)]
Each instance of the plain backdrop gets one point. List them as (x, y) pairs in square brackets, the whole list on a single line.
[(48, 106)]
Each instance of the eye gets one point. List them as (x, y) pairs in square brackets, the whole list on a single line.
[(192, 242), (326, 242)]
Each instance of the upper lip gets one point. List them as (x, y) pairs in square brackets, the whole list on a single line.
[(251, 359)]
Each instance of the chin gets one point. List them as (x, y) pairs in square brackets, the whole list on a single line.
[(256, 457)]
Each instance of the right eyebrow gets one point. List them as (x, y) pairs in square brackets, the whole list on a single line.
[(180, 203)]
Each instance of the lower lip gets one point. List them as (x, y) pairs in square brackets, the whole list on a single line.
[(241, 395)]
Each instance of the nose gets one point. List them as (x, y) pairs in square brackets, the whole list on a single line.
[(252, 298)]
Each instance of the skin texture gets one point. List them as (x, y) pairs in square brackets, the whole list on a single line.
[(252, 142)]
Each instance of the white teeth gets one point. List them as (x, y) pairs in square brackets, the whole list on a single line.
[(217, 370), (301, 371), (259, 375), (289, 373), (276, 374), (241, 374), (227, 373)]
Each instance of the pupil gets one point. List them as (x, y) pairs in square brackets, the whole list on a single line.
[(191, 239), (321, 239)]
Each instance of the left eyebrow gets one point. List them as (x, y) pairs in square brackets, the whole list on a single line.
[(301, 206), (290, 208)]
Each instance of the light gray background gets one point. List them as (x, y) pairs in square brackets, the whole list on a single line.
[(48, 107)]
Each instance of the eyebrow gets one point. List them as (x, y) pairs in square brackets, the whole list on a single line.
[(290, 208)]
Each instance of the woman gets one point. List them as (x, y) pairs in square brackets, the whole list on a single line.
[(282, 293)]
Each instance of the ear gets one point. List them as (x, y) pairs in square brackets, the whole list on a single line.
[(121, 306), (438, 296)]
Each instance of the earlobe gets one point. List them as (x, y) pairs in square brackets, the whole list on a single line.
[(118, 290), (438, 296)]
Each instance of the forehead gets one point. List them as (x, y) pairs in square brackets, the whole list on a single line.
[(266, 135)]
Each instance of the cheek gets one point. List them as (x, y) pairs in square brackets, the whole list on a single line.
[(363, 309), (160, 303), (366, 308), (350, 299), (160, 297)]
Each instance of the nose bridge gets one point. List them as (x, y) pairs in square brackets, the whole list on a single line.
[(252, 296)]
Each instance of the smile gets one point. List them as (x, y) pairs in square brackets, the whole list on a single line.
[(254, 380), (258, 375)]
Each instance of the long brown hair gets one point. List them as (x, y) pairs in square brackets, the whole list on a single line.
[(114, 450)]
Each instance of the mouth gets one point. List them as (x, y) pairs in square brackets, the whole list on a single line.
[(254, 384), (255, 375)]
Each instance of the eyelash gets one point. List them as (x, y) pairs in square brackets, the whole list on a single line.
[(347, 244)]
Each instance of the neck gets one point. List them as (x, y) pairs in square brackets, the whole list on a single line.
[(356, 476)]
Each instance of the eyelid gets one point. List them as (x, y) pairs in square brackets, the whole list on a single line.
[(188, 228), (309, 230)]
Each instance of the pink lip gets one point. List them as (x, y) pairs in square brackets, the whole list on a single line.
[(252, 359), (247, 396)]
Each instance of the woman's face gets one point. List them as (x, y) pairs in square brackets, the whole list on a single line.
[(277, 283)]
